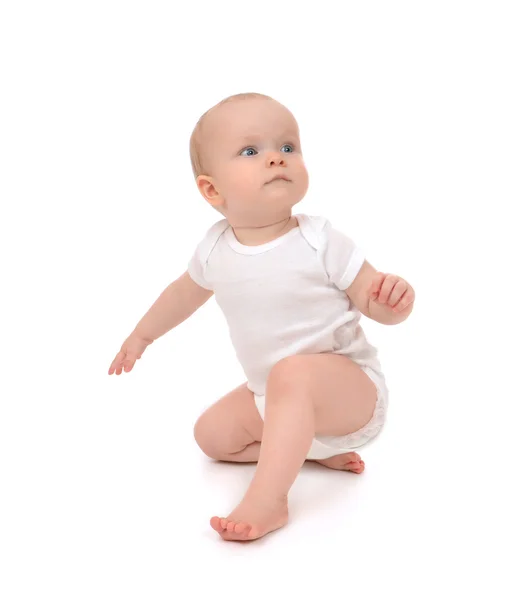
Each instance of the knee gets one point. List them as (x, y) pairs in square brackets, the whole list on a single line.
[(204, 433), (290, 374)]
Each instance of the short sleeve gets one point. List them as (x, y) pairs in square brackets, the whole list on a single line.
[(199, 260), (341, 257), (196, 270)]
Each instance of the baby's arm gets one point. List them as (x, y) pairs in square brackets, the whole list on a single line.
[(359, 294), (176, 303)]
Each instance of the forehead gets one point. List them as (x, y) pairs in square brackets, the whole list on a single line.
[(240, 120)]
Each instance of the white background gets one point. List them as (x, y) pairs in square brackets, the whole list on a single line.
[(409, 117)]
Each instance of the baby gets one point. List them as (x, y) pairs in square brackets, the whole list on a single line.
[(292, 289)]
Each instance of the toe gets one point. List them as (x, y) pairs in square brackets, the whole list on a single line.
[(351, 466), (247, 532), (230, 527), (215, 523), (240, 528), (223, 523), (238, 534), (253, 533)]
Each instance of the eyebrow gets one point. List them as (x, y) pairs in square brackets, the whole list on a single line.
[(254, 137)]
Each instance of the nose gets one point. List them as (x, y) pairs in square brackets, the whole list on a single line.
[(275, 159)]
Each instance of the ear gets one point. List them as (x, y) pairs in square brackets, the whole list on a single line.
[(207, 188)]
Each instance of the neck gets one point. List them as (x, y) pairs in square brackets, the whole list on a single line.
[(255, 236)]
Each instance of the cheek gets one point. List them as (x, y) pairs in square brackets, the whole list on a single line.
[(238, 182), (244, 176), (303, 176)]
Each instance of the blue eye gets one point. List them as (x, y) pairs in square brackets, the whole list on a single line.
[(288, 146), (247, 150)]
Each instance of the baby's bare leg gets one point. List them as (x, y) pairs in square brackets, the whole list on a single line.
[(306, 394), (231, 429)]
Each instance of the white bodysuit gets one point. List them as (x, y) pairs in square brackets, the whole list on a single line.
[(288, 297)]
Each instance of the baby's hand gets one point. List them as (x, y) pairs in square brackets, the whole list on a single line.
[(131, 350), (392, 291)]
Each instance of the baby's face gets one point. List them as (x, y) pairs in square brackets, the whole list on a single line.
[(246, 145)]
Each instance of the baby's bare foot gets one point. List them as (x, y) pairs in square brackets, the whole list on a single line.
[(350, 461), (251, 519)]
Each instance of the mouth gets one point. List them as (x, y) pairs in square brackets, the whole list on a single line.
[(279, 178)]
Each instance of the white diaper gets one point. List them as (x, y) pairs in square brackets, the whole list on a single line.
[(325, 446)]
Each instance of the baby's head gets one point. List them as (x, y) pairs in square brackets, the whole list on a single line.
[(237, 148)]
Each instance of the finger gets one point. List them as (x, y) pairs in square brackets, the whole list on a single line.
[(386, 288), (117, 370), (398, 292), (116, 363), (123, 360), (129, 362), (127, 366), (405, 301), (375, 288)]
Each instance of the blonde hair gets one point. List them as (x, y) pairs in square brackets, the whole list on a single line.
[(196, 154)]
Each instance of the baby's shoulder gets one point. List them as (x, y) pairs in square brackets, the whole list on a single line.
[(211, 238), (314, 228), (217, 229)]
